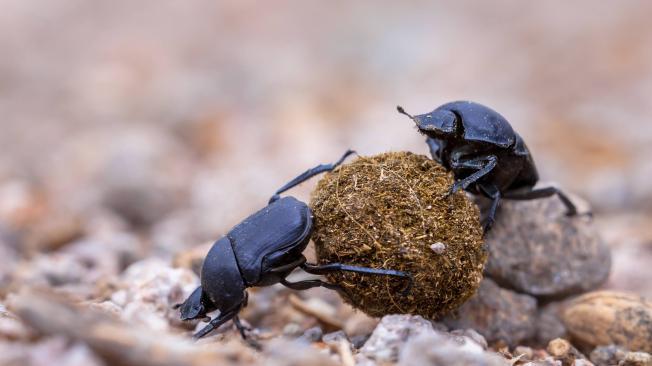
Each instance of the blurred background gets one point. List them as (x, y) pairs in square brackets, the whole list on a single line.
[(155, 126)]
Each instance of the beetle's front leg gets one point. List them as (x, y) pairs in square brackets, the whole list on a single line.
[(483, 166), (216, 322), (435, 149)]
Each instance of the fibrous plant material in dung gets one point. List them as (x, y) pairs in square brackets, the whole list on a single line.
[(393, 211)]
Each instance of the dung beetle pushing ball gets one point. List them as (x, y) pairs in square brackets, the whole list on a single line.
[(261, 251), (484, 153)]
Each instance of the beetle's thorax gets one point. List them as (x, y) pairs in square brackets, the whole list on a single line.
[(221, 279)]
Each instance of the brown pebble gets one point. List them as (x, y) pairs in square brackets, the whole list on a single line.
[(583, 362), (498, 314), (563, 351), (636, 359), (524, 353), (536, 249), (53, 233), (608, 317), (319, 309)]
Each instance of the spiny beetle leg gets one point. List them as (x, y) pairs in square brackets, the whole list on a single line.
[(215, 323), (309, 174), (332, 267), (492, 192), (307, 284), (533, 194)]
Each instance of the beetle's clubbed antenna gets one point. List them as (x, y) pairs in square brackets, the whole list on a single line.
[(402, 111)]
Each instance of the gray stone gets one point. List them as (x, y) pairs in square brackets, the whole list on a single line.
[(607, 355), (442, 349), (536, 249), (391, 334), (498, 314)]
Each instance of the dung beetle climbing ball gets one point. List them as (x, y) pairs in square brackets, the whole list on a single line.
[(487, 157), (263, 250)]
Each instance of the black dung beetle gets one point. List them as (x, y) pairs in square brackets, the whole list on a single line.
[(261, 251), (485, 154)]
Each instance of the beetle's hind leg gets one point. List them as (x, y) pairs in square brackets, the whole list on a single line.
[(309, 174), (332, 267), (537, 193)]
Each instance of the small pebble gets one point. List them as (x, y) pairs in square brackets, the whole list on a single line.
[(334, 338), (359, 340), (473, 335), (582, 362), (291, 330), (360, 323), (636, 359), (525, 353), (563, 351), (313, 334), (607, 355), (438, 248)]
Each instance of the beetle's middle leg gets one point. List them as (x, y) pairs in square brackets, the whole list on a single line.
[(309, 174), (492, 192), (532, 194), (307, 284)]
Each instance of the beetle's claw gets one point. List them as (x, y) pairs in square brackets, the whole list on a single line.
[(453, 189), (407, 289)]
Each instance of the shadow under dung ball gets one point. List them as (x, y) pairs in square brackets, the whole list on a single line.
[(392, 211)]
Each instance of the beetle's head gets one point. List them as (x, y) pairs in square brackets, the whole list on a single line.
[(196, 306), (440, 123)]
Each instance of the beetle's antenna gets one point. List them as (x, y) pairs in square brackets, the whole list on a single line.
[(402, 111)]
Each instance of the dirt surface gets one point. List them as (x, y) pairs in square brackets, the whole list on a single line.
[(133, 134)]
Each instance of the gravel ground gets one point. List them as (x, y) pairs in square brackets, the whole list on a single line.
[(134, 135)]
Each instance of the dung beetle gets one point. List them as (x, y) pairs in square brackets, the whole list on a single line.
[(260, 251), (485, 154)]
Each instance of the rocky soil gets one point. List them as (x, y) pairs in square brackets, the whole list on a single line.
[(134, 135)]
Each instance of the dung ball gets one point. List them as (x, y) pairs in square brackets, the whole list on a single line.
[(393, 211)]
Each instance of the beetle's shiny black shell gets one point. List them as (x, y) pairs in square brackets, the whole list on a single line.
[(221, 280), (482, 123), (273, 236)]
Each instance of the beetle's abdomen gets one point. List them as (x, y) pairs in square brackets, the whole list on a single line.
[(221, 280), (283, 227)]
